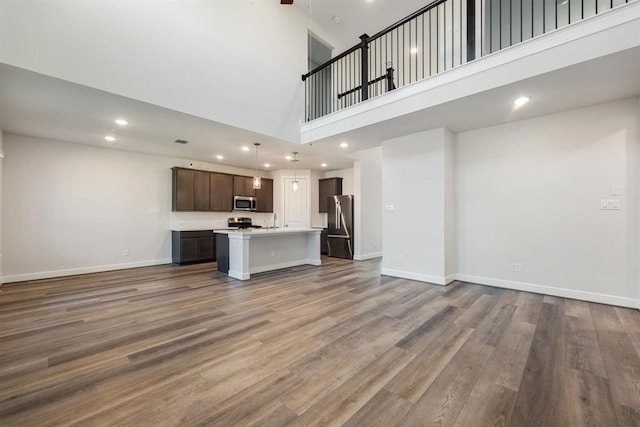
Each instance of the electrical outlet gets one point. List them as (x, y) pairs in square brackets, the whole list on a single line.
[(400, 258), (125, 252), (610, 204), (273, 253), (517, 267)]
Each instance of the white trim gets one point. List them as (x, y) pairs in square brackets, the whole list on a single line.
[(238, 275), (518, 286), (365, 257), (436, 280), (550, 290), (450, 278), (82, 270)]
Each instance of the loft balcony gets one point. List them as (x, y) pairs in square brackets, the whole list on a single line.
[(445, 64)]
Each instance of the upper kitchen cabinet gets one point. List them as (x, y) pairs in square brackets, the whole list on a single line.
[(221, 192), (190, 190), (265, 196), (328, 187), (203, 191), (243, 186), (201, 188)]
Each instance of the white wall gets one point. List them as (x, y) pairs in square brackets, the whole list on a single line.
[(449, 207), (73, 208), (196, 56), (317, 219), (367, 174), (1, 193), (529, 192), (414, 231)]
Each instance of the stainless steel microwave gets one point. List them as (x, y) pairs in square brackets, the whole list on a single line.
[(244, 203)]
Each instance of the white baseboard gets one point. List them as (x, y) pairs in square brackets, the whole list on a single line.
[(365, 257), (82, 270), (238, 275), (436, 280), (518, 286), (550, 290), (449, 278)]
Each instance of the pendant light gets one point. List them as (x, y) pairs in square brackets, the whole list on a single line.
[(257, 181), (294, 184)]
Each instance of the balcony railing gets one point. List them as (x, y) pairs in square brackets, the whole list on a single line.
[(442, 35)]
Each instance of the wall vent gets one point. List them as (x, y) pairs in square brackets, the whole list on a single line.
[(180, 141)]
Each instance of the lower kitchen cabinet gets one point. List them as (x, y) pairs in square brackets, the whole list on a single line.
[(324, 241), (192, 246)]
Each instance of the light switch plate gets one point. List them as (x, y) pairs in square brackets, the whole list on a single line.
[(616, 190), (389, 207)]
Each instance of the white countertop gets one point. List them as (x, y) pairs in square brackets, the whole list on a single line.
[(267, 231)]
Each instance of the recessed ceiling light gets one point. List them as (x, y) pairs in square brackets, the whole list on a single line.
[(122, 122), (288, 157), (219, 157), (518, 102), (110, 138), (245, 148), (324, 165), (337, 19), (267, 165), (344, 145), (414, 50)]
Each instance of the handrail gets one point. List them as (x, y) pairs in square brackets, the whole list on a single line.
[(424, 44), (403, 21), (388, 76), (379, 34), (331, 61)]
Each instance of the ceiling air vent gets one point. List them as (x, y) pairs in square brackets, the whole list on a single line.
[(180, 141)]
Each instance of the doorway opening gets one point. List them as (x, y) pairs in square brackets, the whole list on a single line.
[(319, 52)]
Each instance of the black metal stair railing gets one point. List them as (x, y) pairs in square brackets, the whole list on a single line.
[(442, 35)]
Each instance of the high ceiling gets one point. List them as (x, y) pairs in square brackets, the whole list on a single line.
[(36, 105), (347, 20)]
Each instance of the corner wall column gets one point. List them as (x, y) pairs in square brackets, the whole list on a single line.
[(418, 203)]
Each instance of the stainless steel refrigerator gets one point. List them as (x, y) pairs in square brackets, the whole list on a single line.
[(340, 226)]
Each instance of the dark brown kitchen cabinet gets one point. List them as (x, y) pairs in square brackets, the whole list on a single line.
[(324, 241), (201, 185), (265, 196), (204, 191), (328, 187), (182, 190), (221, 192), (192, 246), (190, 190), (243, 186)]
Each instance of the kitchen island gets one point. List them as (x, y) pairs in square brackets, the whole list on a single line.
[(241, 253)]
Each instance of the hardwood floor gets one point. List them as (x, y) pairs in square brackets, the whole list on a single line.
[(329, 345)]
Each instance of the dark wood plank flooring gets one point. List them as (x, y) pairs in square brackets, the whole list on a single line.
[(330, 345)]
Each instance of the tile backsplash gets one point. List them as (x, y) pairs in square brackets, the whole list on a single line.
[(184, 221)]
